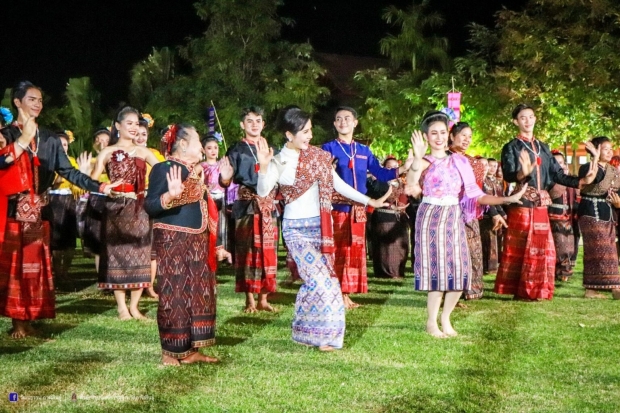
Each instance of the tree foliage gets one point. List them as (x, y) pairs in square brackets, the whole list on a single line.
[(239, 61)]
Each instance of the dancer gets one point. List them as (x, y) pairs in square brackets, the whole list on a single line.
[(389, 227), (597, 221), (527, 268), (95, 203), (493, 221), (353, 162), (307, 180), (184, 240), (450, 199), (126, 243), (561, 213), (459, 140), (28, 165), (256, 232), (220, 195), (62, 210)]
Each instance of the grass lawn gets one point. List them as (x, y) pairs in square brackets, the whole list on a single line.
[(558, 356)]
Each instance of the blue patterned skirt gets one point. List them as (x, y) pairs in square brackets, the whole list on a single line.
[(319, 310), (442, 261)]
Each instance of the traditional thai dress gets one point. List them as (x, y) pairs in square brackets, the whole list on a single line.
[(307, 181), (126, 241), (184, 241), (488, 236), (597, 222), (561, 219), (450, 193), (256, 227), (353, 162), (474, 241), (26, 285), (389, 230), (221, 196), (527, 267)]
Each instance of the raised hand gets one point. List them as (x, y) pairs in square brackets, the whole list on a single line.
[(515, 198), (593, 150), (29, 128), (84, 163), (409, 161), (419, 143), (380, 203), (175, 183), (264, 153), (591, 175), (527, 167), (226, 169)]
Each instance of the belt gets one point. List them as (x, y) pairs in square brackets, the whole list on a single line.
[(558, 206), (124, 188), (388, 211), (444, 201), (64, 191)]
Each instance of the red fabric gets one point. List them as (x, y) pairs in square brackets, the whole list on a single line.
[(26, 284), (265, 233), (15, 179), (213, 219), (350, 255), (527, 268), (314, 165)]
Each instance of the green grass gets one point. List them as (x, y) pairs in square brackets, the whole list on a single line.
[(510, 356)]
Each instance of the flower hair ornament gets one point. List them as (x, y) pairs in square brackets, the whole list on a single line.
[(149, 119), (6, 114), (168, 139), (70, 136)]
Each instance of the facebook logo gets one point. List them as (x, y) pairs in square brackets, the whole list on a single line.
[(13, 397)]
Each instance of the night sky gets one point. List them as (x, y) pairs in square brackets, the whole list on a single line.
[(49, 41)]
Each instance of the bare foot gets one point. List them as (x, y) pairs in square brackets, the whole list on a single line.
[(124, 315), (169, 361), (197, 357), (348, 304), (266, 307), (150, 292), (135, 313), (446, 326), (460, 305), (326, 348), (21, 329), (594, 294), (434, 331), (250, 308)]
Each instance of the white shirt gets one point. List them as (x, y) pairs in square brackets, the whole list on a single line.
[(282, 169)]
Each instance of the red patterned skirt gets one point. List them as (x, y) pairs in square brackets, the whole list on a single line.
[(600, 257), (126, 246), (350, 255), (527, 268), (186, 311), (249, 272), (26, 284)]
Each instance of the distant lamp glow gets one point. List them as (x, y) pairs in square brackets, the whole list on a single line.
[(569, 159), (583, 160)]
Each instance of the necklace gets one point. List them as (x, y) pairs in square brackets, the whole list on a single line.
[(352, 153), (256, 165), (536, 154), (34, 150)]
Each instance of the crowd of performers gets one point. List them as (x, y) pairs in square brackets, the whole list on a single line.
[(166, 220)]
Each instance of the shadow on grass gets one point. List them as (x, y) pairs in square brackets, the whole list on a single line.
[(86, 306)]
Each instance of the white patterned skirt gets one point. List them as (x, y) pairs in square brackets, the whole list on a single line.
[(442, 260), (319, 318)]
